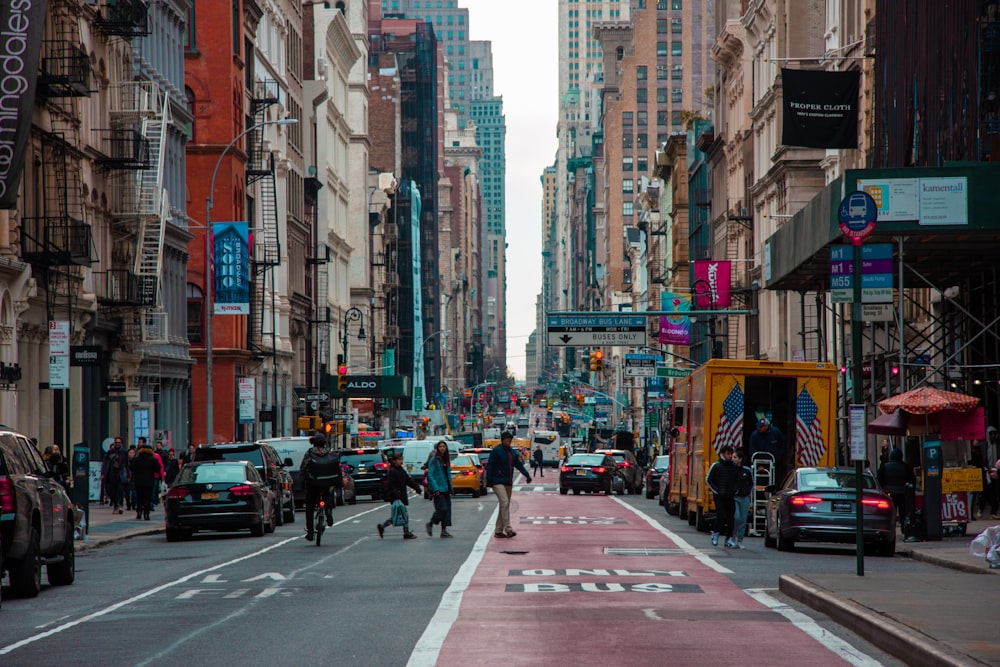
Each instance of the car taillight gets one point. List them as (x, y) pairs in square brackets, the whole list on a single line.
[(177, 493), (382, 466), (625, 464), (600, 470), (241, 490), (880, 503), (468, 473), (6, 495), (564, 469), (805, 500)]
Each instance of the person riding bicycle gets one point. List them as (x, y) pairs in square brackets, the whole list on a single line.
[(320, 471)]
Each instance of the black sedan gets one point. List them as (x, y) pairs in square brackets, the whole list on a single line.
[(659, 468), (594, 473), (819, 505), (219, 495)]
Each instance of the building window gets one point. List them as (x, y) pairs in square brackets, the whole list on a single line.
[(628, 185), (676, 4), (627, 118), (676, 26), (661, 117), (189, 128), (661, 73), (237, 24), (641, 95), (641, 140), (195, 313), (661, 26), (189, 34), (626, 141), (627, 163), (642, 164), (677, 72), (676, 94), (641, 118), (675, 48), (661, 138), (661, 95), (627, 208), (640, 73), (661, 49), (675, 119)]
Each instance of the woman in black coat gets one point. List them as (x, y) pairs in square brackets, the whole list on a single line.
[(396, 481), (145, 468)]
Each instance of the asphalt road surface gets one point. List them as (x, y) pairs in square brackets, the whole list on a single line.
[(589, 580)]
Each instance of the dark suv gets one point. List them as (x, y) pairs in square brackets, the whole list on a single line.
[(368, 467), (36, 519), (265, 460)]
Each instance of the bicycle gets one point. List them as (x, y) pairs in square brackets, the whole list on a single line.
[(319, 520)]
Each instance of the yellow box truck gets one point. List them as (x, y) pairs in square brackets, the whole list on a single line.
[(721, 402)]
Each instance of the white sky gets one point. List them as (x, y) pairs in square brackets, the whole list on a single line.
[(525, 40)]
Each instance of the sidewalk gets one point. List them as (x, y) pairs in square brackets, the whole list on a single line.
[(930, 619), (106, 527)]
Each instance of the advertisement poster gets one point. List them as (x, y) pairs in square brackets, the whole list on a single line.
[(231, 271), (59, 354), (247, 398), (675, 329), (820, 108), (718, 276)]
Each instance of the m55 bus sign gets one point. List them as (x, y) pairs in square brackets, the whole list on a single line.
[(596, 330)]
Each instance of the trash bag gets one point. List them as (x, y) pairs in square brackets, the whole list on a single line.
[(987, 545)]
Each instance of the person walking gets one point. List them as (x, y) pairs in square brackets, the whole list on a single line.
[(741, 500), (114, 475), (440, 488), (500, 476), (145, 468), (721, 480), (173, 467), (188, 456), (536, 461), (396, 481), (893, 476)]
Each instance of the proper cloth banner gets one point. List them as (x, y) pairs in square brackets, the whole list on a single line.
[(717, 276), (231, 269), (675, 329), (21, 24), (820, 108)]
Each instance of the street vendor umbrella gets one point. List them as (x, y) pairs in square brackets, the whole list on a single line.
[(893, 423), (927, 400)]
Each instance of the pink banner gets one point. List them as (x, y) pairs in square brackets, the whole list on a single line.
[(957, 425), (718, 277)]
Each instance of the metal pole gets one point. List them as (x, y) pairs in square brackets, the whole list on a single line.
[(858, 399)]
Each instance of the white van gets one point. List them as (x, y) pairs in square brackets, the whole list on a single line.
[(549, 442), (417, 452), (294, 448)]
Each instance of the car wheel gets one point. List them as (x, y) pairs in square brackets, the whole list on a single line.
[(475, 493), (289, 515), (174, 535), (701, 521), (353, 500), (63, 573), (576, 492), (886, 549), (272, 520), (649, 494), (26, 573), (279, 515), (784, 543), (563, 491), (257, 530)]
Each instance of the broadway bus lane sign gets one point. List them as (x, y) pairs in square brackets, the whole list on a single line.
[(596, 330)]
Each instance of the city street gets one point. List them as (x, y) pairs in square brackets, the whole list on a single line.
[(588, 580)]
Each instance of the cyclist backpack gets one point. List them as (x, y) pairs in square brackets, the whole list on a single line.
[(324, 471)]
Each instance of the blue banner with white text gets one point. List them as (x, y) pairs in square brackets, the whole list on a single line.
[(231, 267)]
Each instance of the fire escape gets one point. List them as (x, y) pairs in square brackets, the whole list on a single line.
[(57, 238), (267, 248)]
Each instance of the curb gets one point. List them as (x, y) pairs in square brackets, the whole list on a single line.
[(885, 633), (925, 557), (96, 542)]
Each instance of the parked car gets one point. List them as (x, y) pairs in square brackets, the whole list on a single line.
[(292, 448), (593, 473), (818, 504), (465, 474), (628, 467), (265, 459), (664, 490), (482, 454), (367, 467), (219, 495), (36, 519), (659, 469)]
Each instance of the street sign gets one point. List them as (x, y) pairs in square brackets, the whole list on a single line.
[(671, 372), (641, 365), (323, 396), (876, 312), (876, 273), (342, 417), (596, 330), (857, 215)]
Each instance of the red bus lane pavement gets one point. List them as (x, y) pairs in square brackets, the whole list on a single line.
[(598, 583)]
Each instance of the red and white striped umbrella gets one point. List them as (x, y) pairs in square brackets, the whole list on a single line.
[(928, 400)]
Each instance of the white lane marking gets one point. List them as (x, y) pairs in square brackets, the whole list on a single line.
[(677, 539), (425, 653), (832, 642), (162, 587), (652, 615)]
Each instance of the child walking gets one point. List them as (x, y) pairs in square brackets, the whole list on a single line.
[(396, 482)]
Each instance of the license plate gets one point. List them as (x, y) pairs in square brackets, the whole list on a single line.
[(581, 472), (362, 469), (210, 495), (842, 505)]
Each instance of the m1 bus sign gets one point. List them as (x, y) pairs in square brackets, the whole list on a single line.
[(857, 215)]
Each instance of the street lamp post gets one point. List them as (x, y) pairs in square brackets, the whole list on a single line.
[(209, 287), (353, 314), (710, 293)]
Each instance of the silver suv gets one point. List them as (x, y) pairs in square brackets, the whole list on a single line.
[(36, 519)]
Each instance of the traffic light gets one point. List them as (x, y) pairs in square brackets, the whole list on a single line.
[(597, 361), (328, 428), (579, 399), (341, 374)]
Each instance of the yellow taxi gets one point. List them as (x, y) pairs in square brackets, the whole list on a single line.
[(465, 474)]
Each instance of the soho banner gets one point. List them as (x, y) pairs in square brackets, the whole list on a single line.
[(820, 108), (21, 24), (718, 277), (231, 268)]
